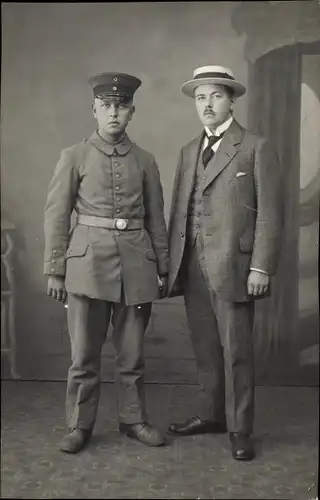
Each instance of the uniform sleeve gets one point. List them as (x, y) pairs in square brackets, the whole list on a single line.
[(155, 222), (57, 213), (269, 222)]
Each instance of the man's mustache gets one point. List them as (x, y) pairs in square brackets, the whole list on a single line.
[(209, 112)]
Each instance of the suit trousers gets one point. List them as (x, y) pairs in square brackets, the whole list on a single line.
[(88, 321), (221, 335)]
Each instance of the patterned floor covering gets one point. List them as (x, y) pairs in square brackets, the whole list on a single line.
[(194, 467)]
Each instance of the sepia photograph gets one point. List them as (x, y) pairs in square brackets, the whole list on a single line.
[(160, 202)]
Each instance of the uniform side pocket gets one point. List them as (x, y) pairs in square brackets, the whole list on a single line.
[(151, 255), (78, 250), (79, 243)]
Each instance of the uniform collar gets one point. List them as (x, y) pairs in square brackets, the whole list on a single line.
[(122, 147), (222, 128)]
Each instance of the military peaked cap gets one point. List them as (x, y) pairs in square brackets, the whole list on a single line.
[(117, 86)]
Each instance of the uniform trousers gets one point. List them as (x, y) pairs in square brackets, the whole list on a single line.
[(88, 321), (221, 335)]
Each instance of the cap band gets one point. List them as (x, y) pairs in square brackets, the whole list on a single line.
[(114, 89), (106, 96)]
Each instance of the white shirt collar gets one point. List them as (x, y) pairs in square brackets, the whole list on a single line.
[(224, 126)]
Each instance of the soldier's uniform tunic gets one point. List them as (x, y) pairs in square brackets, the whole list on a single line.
[(109, 272)]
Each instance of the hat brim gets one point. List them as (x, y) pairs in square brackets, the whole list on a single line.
[(189, 87)]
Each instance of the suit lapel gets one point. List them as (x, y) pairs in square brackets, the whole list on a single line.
[(225, 153)]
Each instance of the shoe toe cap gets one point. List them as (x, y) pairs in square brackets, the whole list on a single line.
[(151, 436)]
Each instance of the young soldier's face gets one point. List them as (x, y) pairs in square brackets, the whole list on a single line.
[(112, 116), (213, 103)]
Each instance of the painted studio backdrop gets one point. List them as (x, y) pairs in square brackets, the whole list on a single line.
[(49, 50)]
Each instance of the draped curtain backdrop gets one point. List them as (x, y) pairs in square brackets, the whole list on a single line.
[(274, 111)]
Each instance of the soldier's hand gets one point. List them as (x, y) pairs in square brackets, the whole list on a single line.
[(56, 288), (258, 283), (163, 286)]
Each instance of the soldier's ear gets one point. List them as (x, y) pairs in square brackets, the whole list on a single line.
[(94, 110), (132, 112)]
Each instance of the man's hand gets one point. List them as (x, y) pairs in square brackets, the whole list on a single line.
[(258, 283), (163, 286), (57, 289)]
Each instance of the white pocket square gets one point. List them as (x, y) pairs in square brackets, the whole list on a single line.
[(240, 174)]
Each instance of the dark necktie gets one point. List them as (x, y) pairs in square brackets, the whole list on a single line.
[(208, 151)]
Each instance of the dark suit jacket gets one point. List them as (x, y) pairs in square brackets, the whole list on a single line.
[(242, 219)]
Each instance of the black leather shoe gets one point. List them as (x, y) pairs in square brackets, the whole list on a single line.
[(143, 432), (75, 440), (242, 446), (197, 426)]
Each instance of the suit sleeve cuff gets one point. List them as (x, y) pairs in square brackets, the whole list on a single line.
[(258, 270)]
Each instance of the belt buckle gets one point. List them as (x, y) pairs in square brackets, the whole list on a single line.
[(121, 224)]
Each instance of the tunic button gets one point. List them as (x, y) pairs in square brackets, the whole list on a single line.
[(118, 175), (118, 198), (116, 163), (117, 188), (118, 210), (118, 234), (205, 177)]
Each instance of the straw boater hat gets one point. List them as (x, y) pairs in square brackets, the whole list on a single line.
[(212, 74)]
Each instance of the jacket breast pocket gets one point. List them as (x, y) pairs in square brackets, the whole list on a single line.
[(244, 185)]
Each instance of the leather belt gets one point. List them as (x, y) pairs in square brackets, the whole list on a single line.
[(108, 223)]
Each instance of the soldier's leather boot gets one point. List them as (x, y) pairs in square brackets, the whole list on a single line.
[(143, 432), (75, 440)]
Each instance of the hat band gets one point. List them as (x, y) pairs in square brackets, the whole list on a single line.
[(114, 90), (213, 75), (104, 96)]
